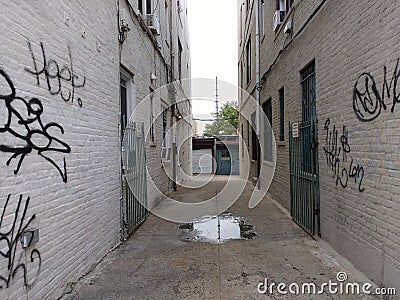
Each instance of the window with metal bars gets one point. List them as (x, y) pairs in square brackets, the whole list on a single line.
[(267, 108), (307, 129), (308, 92)]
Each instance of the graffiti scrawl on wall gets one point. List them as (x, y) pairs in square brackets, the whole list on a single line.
[(61, 81), (25, 126), (337, 150), (10, 245), (369, 100)]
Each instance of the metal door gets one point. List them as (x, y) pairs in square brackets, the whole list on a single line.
[(304, 177), (223, 162), (303, 152), (134, 183)]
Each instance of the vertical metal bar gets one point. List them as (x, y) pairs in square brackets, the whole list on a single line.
[(129, 195), (121, 197), (317, 180), (297, 179), (312, 182), (138, 154), (301, 165), (290, 170), (308, 176), (144, 200)]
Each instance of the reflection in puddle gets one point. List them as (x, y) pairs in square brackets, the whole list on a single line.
[(218, 229)]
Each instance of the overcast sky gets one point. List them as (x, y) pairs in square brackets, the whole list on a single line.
[(213, 41)]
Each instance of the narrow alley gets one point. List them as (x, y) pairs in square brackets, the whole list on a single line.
[(156, 263), (186, 149)]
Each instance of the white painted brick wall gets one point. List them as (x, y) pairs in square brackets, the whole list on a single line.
[(141, 57), (78, 220)]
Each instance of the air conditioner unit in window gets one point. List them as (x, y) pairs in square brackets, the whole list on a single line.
[(154, 24), (165, 154), (278, 18)]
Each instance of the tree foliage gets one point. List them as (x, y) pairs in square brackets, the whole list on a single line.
[(226, 123)]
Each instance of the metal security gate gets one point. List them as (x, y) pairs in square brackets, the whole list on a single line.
[(303, 148), (304, 179), (134, 184)]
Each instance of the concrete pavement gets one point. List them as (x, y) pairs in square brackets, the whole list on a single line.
[(155, 263)]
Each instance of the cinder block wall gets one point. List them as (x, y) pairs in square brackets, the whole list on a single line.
[(75, 205), (351, 42)]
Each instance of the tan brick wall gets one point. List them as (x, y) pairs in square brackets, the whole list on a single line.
[(346, 39)]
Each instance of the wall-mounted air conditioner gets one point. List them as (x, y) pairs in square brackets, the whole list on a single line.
[(278, 18), (154, 24)]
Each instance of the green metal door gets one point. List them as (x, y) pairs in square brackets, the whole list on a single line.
[(304, 178), (223, 161), (134, 183), (303, 152)]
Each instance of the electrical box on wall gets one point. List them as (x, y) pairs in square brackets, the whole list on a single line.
[(29, 237), (288, 27)]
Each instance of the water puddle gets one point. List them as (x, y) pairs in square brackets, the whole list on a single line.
[(218, 229)]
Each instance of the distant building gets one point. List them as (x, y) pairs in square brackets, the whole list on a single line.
[(195, 128), (325, 73), (216, 155)]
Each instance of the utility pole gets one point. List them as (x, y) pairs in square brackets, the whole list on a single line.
[(216, 102), (216, 96)]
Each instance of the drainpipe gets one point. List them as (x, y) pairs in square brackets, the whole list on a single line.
[(121, 177), (258, 88)]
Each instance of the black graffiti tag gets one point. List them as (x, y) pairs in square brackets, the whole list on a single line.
[(336, 151), (61, 81), (24, 123), (9, 241), (369, 101)]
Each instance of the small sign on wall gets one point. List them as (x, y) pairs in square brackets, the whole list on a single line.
[(295, 130)]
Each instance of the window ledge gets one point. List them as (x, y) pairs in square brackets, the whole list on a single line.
[(281, 144)]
